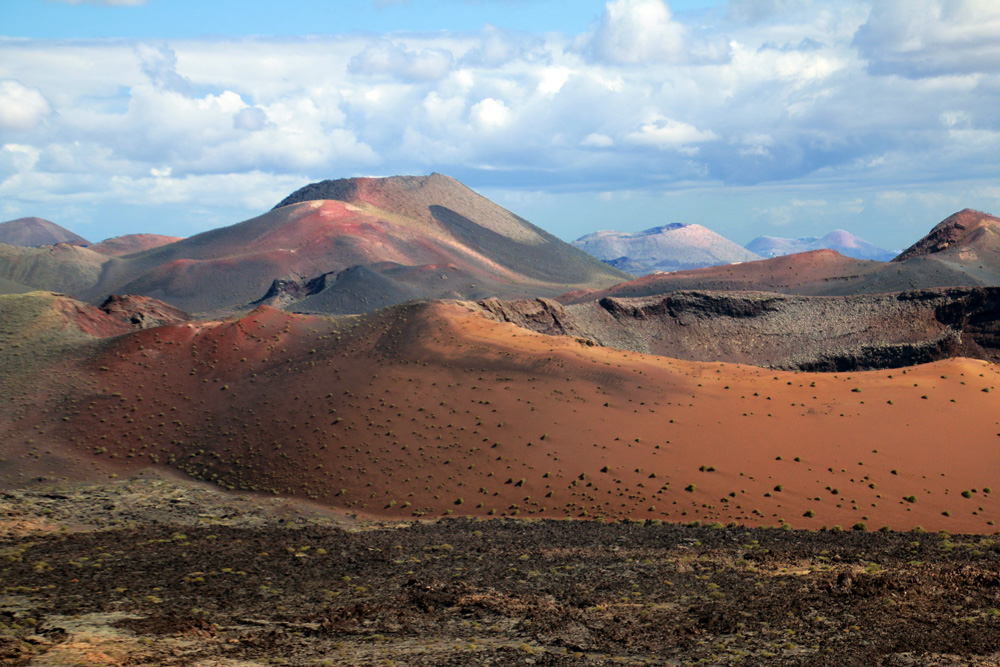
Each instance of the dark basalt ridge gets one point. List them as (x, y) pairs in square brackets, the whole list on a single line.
[(851, 333)]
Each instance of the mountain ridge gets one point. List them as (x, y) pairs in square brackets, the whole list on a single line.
[(842, 241), (672, 247)]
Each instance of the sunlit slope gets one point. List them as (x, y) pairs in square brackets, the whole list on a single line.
[(431, 409)]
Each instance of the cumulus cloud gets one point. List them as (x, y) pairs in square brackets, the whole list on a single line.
[(388, 59), (638, 31), (496, 47), (661, 132), (21, 107), (251, 119), (159, 63), (917, 38), (490, 114)]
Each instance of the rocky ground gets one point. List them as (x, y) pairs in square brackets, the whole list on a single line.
[(158, 572), (805, 333)]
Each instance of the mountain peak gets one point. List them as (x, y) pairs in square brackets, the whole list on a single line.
[(30, 232), (664, 248), (367, 188), (959, 229)]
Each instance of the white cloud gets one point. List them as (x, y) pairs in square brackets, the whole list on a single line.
[(918, 38), (250, 119), (638, 31), (490, 114), (391, 60), (17, 159), (159, 64), (662, 132), (21, 107)]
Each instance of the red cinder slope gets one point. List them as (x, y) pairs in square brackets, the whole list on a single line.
[(427, 410), (816, 272), (399, 229)]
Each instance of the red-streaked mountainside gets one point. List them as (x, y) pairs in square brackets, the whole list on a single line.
[(668, 248), (31, 232), (132, 243), (386, 241), (430, 409)]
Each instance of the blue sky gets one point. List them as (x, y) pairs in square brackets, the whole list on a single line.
[(50, 19), (780, 117)]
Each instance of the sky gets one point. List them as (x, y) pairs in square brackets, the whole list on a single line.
[(751, 117)]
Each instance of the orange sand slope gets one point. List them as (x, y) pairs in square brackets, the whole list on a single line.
[(429, 409)]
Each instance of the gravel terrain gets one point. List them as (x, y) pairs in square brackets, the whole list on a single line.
[(200, 586)]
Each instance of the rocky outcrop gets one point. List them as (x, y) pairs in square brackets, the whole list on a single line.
[(955, 230), (541, 315), (779, 331), (142, 312)]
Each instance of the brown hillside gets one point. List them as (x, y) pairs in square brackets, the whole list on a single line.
[(37, 232), (430, 409), (66, 268), (132, 243)]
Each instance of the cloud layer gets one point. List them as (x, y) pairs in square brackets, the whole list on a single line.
[(882, 96)]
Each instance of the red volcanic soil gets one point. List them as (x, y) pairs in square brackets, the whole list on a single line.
[(132, 243), (429, 409), (306, 239), (816, 272)]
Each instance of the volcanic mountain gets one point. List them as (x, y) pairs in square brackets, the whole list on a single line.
[(32, 232), (963, 250), (132, 243), (844, 242), (430, 409), (668, 248), (344, 246)]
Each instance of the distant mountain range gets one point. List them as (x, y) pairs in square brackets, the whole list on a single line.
[(671, 247), (963, 250), (844, 242)]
